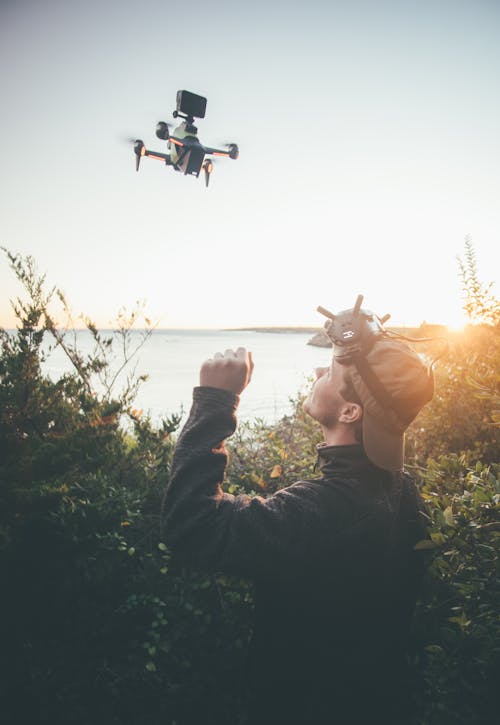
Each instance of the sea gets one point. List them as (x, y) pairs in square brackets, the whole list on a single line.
[(284, 367)]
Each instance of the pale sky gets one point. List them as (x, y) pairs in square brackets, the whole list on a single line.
[(369, 148)]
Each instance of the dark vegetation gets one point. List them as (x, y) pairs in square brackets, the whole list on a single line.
[(96, 627)]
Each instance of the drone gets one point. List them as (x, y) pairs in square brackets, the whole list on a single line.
[(187, 154)]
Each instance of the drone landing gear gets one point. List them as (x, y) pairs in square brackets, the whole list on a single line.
[(140, 150), (208, 167)]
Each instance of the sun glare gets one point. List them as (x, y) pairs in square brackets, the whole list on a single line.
[(457, 322)]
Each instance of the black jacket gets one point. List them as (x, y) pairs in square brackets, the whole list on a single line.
[(333, 557)]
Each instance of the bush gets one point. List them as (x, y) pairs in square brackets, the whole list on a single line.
[(463, 416), (457, 633), (95, 627), (98, 627)]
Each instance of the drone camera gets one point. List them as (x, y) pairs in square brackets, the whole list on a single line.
[(191, 104)]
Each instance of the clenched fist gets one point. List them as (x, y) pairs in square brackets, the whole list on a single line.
[(229, 371)]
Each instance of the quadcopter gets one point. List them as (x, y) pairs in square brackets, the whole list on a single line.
[(187, 154)]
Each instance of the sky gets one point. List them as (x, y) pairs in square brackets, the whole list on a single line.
[(369, 150)]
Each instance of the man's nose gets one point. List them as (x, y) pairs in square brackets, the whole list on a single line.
[(320, 372)]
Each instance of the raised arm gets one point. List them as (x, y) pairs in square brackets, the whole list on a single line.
[(203, 525)]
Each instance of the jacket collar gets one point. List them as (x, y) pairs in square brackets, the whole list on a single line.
[(350, 460)]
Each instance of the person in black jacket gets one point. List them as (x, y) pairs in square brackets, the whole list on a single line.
[(333, 559)]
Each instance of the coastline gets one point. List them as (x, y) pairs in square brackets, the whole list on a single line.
[(277, 329), (320, 339)]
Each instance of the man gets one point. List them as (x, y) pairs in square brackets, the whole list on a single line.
[(333, 559)]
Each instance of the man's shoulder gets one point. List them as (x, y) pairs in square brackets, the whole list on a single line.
[(334, 498)]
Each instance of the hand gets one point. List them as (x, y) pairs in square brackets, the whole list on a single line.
[(231, 371)]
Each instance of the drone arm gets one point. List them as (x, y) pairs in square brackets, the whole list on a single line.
[(216, 152), (158, 156), (231, 152), (176, 141)]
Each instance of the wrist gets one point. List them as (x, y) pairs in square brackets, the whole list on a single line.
[(216, 395)]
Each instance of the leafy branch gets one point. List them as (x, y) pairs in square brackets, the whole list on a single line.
[(36, 319), (480, 304)]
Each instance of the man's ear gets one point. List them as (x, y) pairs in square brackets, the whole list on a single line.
[(351, 413)]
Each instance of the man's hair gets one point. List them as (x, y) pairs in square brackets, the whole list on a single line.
[(348, 392)]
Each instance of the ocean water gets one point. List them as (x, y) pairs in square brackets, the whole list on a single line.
[(284, 364)]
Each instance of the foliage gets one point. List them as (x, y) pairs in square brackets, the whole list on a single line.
[(480, 305), (464, 415), (457, 634), (267, 457), (95, 627), (98, 626)]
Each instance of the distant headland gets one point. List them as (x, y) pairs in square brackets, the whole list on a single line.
[(302, 330), (320, 339)]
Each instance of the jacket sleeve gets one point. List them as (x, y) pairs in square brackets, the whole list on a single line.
[(208, 528)]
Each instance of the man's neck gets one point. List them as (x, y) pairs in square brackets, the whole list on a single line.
[(339, 436)]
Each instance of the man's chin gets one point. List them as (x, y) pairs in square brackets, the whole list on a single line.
[(306, 407)]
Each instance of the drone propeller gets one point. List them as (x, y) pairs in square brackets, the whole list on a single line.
[(232, 149), (139, 150)]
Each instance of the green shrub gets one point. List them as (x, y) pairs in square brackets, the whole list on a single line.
[(98, 627), (95, 627), (457, 633), (463, 416)]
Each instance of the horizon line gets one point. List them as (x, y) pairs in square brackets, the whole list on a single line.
[(244, 328)]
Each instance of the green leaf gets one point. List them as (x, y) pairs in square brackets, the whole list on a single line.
[(448, 516), (151, 667), (162, 546), (462, 621), (424, 544), (434, 649), (438, 538), (131, 551)]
